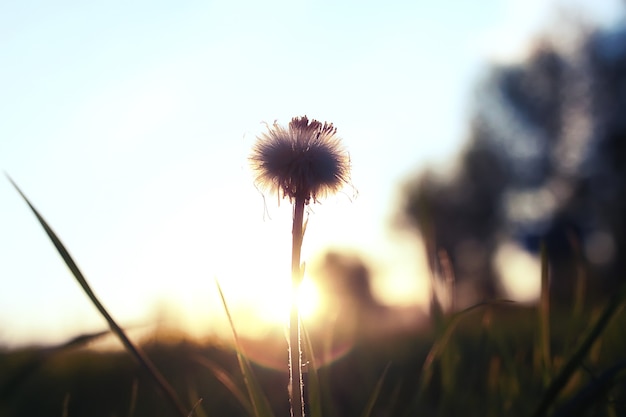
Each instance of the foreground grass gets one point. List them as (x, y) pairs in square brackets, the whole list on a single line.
[(490, 365), (495, 358)]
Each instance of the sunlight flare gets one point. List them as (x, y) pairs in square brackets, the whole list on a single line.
[(276, 303)]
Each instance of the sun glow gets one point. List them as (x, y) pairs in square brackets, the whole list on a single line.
[(309, 299), (274, 305)]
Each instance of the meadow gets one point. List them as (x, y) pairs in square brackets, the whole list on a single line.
[(487, 361), (557, 357), (495, 358)]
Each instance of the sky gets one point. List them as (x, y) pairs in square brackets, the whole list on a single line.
[(128, 125)]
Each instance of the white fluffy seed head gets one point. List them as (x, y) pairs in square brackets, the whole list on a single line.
[(305, 160)]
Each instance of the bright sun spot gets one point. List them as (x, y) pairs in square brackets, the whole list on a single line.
[(274, 306), (309, 299)]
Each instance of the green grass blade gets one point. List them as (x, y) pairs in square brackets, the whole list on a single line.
[(575, 361), (259, 401), (442, 341), (12, 380), (313, 383), (80, 341), (197, 409), (544, 317), (132, 405), (227, 381), (594, 393), (135, 351), (367, 412)]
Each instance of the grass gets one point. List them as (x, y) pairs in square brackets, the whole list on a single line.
[(495, 358), (484, 368)]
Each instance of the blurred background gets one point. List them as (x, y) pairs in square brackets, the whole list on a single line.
[(129, 127), (480, 135), (475, 133)]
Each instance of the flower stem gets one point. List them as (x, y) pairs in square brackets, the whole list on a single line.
[(295, 351)]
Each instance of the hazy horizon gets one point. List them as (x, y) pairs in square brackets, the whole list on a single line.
[(129, 127)]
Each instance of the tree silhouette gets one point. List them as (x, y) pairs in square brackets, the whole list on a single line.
[(545, 163), (345, 282)]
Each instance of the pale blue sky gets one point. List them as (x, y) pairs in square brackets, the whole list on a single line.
[(128, 124)]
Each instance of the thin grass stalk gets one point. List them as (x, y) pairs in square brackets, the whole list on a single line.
[(321, 374), (228, 381), (66, 405), (581, 279), (369, 407), (133, 398), (260, 404), (296, 391), (11, 381), (195, 409), (575, 361), (544, 316), (593, 393), (134, 350), (314, 390), (195, 399), (441, 343)]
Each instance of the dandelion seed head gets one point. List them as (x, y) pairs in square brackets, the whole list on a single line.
[(304, 160)]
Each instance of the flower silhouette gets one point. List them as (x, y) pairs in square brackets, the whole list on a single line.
[(303, 161)]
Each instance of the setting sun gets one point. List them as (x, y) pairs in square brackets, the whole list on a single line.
[(273, 305)]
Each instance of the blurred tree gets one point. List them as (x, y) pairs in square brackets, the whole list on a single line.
[(545, 162), (345, 282)]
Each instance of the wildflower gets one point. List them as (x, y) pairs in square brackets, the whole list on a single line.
[(304, 161)]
